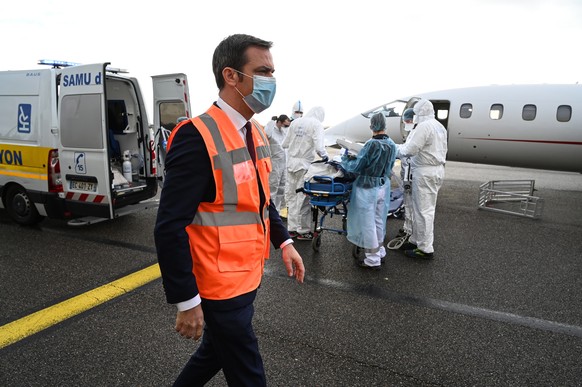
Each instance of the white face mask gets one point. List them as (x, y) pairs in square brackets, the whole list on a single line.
[(296, 115), (408, 127)]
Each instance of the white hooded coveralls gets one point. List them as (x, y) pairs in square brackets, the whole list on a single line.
[(278, 176), (304, 139), (427, 144)]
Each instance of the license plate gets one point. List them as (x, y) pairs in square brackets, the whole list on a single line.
[(83, 186)]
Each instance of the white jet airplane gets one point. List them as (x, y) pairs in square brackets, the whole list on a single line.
[(527, 126)]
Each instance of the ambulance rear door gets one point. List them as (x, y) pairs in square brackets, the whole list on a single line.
[(83, 141), (171, 106)]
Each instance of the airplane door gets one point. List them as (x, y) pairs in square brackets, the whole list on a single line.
[(441, 109), (83, 140), (411, 102), (171, 106)]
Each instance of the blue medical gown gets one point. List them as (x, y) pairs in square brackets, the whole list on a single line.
[(370, 197)]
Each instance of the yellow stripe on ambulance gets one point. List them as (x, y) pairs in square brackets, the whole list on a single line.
[(21, 161)]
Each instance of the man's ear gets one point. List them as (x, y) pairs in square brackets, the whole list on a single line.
[(230, 76)]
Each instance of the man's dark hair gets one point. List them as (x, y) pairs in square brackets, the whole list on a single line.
[(231, 53), (282, 118)]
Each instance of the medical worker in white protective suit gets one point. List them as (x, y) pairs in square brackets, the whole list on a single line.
[(427, 144), (271, 123), (276, 134), (370, 199), (304, 139), (297, 111)]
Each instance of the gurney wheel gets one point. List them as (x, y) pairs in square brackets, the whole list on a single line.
[(316, 242), (356, 251), (399, 213)]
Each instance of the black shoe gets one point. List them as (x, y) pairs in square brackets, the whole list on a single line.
[(408, 246), (308, 236), (418, 253), (293, 234), (363, 264)]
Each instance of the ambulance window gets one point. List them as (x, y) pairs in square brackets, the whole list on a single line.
[(81, 121), (170, 112), (496, 111), (529, 112), (564, 113), (466, 110)]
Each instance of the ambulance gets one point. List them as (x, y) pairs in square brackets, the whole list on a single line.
[(76, 144)]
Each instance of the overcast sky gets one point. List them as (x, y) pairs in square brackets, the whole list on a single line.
[(345, 56)]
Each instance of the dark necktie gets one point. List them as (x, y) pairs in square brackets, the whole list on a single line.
[(251, 148), (250, 143)]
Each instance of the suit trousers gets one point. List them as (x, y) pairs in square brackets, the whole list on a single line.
[(228, 343)]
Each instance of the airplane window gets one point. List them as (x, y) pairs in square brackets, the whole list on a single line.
[(564, 113), (529, 112), (442, 114), (496, 111), (466, 110), (392, 109)]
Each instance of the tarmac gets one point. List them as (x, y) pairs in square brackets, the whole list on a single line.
[(499, 305)]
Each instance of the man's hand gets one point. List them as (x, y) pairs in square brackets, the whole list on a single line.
[(293, 262), (189, 323)]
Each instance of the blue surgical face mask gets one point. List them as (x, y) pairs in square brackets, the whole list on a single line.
[(264, 89)]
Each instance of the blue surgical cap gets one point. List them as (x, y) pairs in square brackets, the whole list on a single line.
[(378, 122), (408, 114)]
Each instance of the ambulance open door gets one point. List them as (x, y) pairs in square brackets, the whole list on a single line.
[(83, 141), (171, 106)]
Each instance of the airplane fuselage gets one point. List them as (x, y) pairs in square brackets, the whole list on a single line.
[(528, 126)]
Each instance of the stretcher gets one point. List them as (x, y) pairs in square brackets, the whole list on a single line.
[(330, 197)]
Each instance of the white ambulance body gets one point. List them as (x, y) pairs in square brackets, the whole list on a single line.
[(64, 133)]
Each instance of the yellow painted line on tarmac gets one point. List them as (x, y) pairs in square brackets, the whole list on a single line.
[(36, 322)]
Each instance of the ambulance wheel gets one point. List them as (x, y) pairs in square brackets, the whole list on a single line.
[(356, 251), (20, 208), (316, 242)]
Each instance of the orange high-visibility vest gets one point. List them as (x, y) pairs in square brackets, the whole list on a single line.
[(229, 238)]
